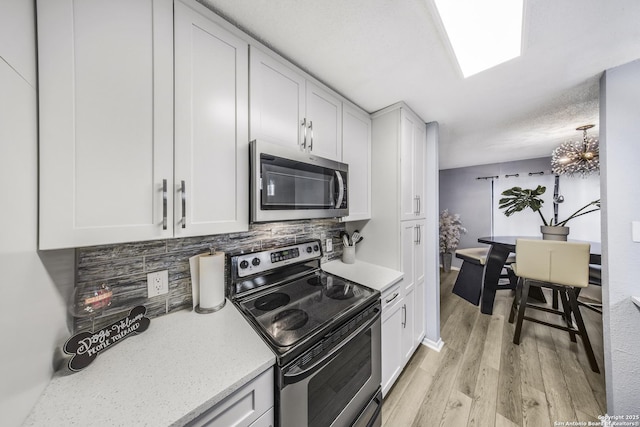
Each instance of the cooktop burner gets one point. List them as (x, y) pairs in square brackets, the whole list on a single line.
[(290, 319), (294, 310), (272, 301), (340, 292), (317, 281)]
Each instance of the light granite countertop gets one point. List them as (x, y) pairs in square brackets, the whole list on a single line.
[(370, 275), (171, 373)]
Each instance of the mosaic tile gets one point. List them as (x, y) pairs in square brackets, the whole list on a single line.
[(102, 254)]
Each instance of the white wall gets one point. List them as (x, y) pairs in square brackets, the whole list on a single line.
[(620, 158), (32, 307)]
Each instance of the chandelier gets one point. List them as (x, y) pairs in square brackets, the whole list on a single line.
[(577, 157)]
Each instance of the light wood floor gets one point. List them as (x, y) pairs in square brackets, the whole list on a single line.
[(480, 378)]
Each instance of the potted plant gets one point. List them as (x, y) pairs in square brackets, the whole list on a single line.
[(450, 231), (517, 199)]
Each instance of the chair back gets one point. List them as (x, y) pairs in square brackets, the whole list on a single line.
[(562, 263)]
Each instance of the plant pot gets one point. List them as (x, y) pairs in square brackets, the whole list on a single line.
[(554, 233), (445, 258)]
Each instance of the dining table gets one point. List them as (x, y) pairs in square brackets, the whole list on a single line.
[(501, 247)]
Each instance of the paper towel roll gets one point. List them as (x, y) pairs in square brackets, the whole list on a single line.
[(210, 282)]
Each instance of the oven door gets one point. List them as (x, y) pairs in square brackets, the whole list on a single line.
[(339, 388)]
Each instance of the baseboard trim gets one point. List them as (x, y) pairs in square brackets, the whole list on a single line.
[(437, 346)]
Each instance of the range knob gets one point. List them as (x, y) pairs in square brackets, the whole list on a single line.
[(255, 262), (316, 248), (244, 264), (309, 249)]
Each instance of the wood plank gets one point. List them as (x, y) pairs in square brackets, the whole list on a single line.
[(469, 367), (407, 406), (502, 421), (483, 407), (493, 344), (457, 410), (509, 402), (558, 396), (436, 398), (457, 329), (397, 392), (574, 372), (535, 412)]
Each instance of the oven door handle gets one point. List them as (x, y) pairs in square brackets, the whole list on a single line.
[(328, 358)]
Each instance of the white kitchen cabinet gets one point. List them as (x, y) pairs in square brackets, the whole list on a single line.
[(109, 169), (356, 151), (251, 405), (392, 316), (412, 159), (391, 238), (211, 126), (106, 121), (291, 110)]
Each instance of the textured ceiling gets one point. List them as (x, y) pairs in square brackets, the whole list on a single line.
[(377, 52)]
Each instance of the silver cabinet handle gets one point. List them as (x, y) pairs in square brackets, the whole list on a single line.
[(311, 128), (418, 227), (392, 298), (183, 189), (304, 141), (415, 199), (404, 315), (164, 204), (419, 205), (417, 239)]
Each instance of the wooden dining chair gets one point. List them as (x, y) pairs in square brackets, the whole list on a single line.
[(561, 267)]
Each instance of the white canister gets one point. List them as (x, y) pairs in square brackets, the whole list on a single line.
[(349, 254)]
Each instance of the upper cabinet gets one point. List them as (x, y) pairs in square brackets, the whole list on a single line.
[(356, 151), (288, 109), (211, 126), (107, 154), (106, 121), (412, 158)]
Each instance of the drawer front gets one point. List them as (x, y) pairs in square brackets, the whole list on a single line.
[(391, 298), (243, 407)]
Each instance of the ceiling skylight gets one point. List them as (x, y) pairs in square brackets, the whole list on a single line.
[(482, 33)]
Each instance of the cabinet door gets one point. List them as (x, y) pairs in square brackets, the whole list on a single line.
[(324, 122), (408, 196), (356, 151), (408, 326), (391, 346), (419, 252), (409, 242), (419, 160), (106, 121), (277, 96), (211, 127)]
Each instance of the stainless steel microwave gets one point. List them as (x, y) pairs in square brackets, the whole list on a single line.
[(288, 184)]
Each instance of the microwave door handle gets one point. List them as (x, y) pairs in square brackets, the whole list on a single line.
[(340, 189), (294, 378)]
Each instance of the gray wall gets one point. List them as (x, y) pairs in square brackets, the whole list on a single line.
[(462, 193), (620, 154)]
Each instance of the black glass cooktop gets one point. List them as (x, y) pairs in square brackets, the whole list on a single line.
[(294, 310)]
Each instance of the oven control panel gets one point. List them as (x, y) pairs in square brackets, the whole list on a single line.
[(259, 262)]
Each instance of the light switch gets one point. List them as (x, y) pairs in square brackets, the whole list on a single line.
[(635, 231)]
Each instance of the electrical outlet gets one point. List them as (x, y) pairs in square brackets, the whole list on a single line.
[(329, 245), (157, 283)]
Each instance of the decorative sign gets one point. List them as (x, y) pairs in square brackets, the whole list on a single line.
[(85, 346)]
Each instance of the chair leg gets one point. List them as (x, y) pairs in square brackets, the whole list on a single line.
[(521, 308), (516, 299), (554, 294), (583, 331), (567, 314)]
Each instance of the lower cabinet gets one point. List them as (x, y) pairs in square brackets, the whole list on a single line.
[(392, 315), (249, 406)]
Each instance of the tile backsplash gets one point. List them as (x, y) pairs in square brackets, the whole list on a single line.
[(124, 267)]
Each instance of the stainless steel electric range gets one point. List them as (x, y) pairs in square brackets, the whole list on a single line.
[(324, 330)]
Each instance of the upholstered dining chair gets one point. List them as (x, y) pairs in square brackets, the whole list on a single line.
[(559, 266)]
